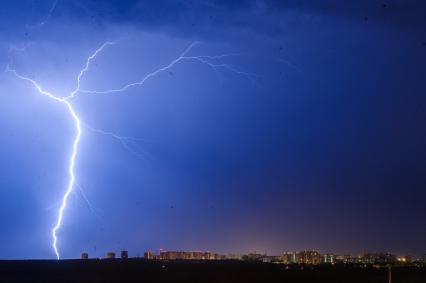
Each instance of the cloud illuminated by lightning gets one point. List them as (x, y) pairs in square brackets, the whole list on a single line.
[(66, 101)]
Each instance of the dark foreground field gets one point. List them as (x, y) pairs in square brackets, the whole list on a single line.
[(135, 270)]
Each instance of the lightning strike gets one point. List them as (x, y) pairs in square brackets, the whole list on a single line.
[(46, 18), (49, 15), (76, 141), (66, 101), (207, 60), (124, 141), (91, 207)]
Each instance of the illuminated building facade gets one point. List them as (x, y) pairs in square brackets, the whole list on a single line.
[(180, 255), (148, 255), (379, 258), (308, 257), (328, 258), (289, 258)]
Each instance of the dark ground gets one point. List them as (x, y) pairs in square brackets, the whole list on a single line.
[(138, 270)]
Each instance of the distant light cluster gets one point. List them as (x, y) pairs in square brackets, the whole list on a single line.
[(307, 257)]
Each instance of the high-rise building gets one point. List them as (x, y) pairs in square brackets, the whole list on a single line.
[(254, 257), (308, 257), (110, 255), (289, 257), (148, 255), (328, 258), (348, 259), (181, 255), (379, 258), (84, 256), (124, 254), (234, 257)]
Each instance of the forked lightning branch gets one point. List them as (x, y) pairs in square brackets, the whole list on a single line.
[(66, 102)]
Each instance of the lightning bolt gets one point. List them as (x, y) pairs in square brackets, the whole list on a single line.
[(46, 18), (207, 60), (123, 140), (66, 101), (49, 15)]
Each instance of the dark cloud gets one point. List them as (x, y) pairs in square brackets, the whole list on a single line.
[(211, 18), (257, 15)]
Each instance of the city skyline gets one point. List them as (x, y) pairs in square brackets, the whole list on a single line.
[(230, 126), (310, 257)]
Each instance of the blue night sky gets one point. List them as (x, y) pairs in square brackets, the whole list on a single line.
[(314, 139)]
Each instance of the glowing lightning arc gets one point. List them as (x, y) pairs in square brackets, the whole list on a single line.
[(207, 60), (65, 100), (72, 177)]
